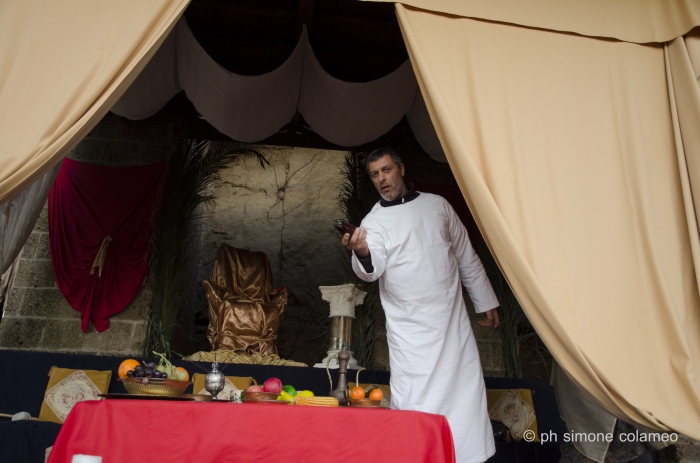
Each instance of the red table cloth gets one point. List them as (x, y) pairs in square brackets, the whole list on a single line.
[(125, 431)]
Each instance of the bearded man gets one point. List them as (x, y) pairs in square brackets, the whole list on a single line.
[(420, 252)]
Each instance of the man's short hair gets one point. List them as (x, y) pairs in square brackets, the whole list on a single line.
[(380, 153)]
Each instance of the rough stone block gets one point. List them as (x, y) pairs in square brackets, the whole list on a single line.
[(155, 152), (35, 273), (42, 223), (29, 249), (496, 357), (483, 333), (121, 153), (42, 251), (63, 335), (117, 338), (154, 131), (88, 150), (688, 453), (137, 340), (117, 128), (137, 309), (21, 333), (484, 348), (14, 301), (48, 303)]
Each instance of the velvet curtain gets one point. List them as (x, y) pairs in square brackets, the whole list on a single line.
[(62, 66), (99, 235), (579, 170)]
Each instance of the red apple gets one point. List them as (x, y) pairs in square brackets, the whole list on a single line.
[(273, 385), (255, 388)]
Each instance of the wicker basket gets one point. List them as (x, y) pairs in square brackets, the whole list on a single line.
[(156, 386)]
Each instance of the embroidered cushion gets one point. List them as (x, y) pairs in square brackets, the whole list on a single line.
[(67, 387), (515, 409)]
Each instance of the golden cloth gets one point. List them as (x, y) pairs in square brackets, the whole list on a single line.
[(244, 310)]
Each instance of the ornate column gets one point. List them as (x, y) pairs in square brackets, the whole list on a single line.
[(343, 299)]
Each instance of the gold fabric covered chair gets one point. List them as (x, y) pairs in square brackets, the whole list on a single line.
[(244, 310)]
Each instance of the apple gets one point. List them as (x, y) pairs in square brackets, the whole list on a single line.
[(255, 388), (273, 385)]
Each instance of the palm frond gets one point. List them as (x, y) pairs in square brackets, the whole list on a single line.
[(192, 171), (356, 198)]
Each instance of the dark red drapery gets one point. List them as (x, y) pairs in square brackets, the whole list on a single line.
[(88, 206)]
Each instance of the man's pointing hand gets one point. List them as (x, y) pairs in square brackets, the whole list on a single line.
[(357, 243)]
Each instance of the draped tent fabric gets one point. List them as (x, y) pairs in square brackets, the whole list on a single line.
[(18, 216), (252, 108), (564, 148), (96, 210), (683, 69), (627, 20), (62, 66)]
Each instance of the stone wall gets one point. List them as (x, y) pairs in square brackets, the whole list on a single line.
[(285, 210), (37, 316)]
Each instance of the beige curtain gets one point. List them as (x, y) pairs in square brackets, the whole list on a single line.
[(629, 20), (62, 66), (567, 152)]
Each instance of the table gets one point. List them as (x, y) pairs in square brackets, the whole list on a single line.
[(149, 430)]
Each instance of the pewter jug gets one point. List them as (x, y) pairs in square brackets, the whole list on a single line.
[(214, 381)]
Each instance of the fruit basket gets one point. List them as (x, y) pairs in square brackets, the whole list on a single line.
[(366, 403), (249, 396), (155, 386)]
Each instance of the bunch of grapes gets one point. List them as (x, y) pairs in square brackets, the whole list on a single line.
[(146, 373)]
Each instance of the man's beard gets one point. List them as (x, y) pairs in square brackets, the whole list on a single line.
[(396, 192)]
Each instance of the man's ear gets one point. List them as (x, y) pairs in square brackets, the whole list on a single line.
[(403, 170)]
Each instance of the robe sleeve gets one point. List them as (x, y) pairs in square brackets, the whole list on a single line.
[(471, 271), (377, 251)]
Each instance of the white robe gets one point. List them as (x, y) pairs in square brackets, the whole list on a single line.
[(421, 255)]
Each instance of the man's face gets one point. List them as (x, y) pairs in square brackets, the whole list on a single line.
[(387, 177)]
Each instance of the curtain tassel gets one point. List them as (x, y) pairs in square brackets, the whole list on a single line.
[(100, 257)]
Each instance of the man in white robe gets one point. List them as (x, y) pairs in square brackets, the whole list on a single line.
[(418, 249)]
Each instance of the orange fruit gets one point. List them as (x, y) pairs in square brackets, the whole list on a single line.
[(357, 393), (376, 394), (126, 365), (183, 375)]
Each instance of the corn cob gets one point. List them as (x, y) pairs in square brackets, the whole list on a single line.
[(316, 401)]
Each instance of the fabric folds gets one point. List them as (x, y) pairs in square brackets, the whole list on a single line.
[(627, 20), (252, 108), (244, 311), (106, 212), (62, 66), (564, 148), (18, 216)]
